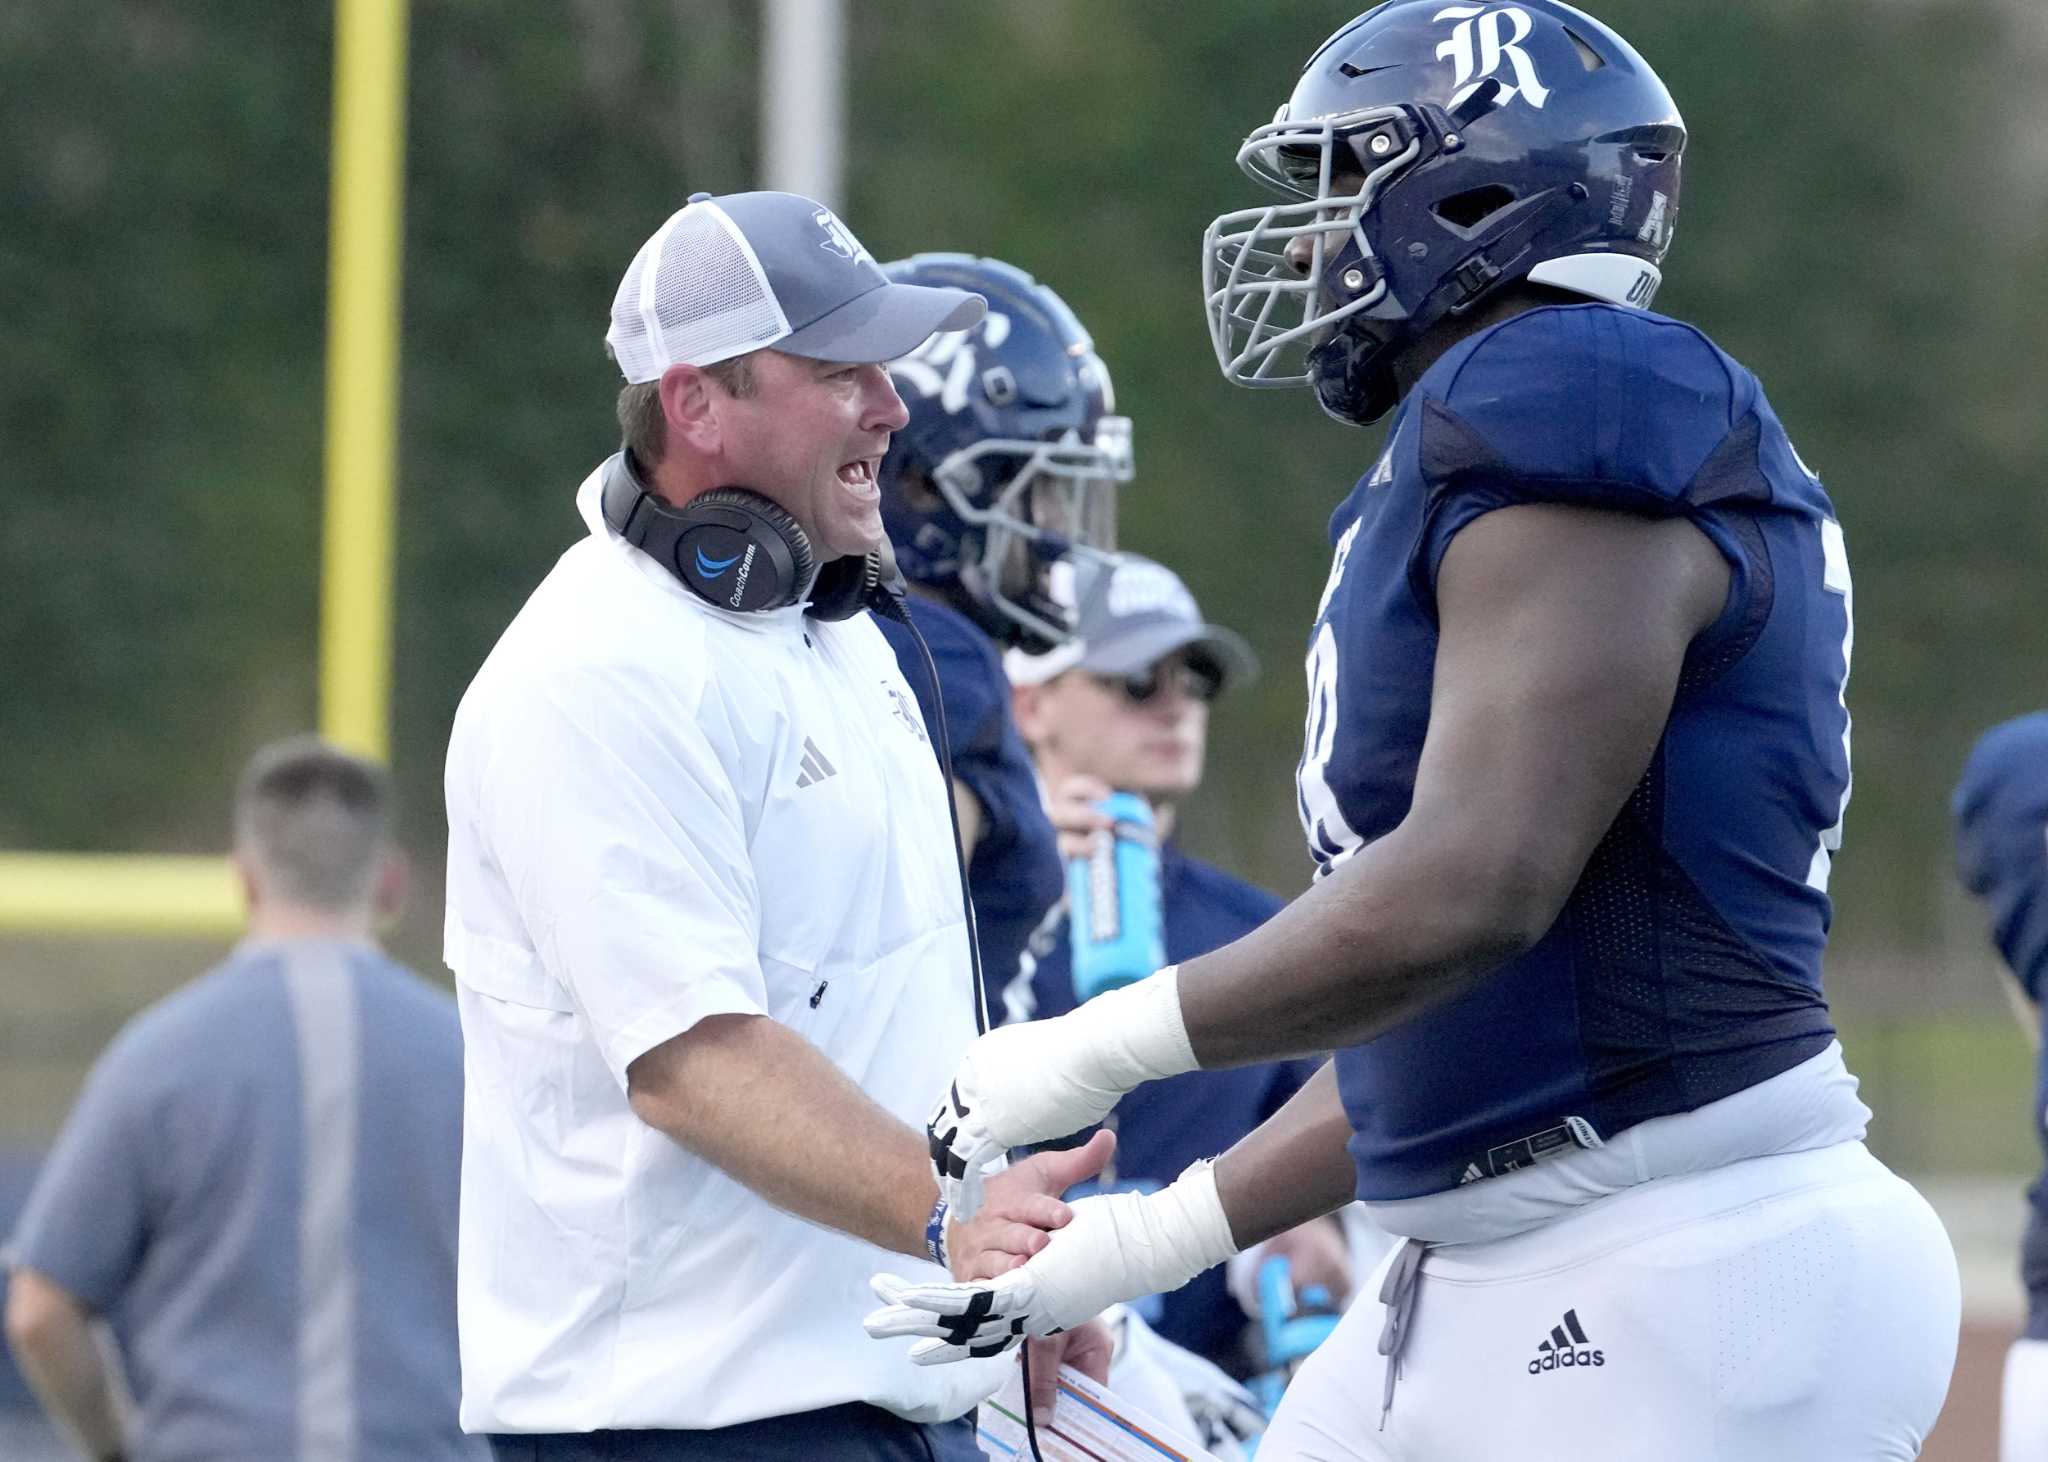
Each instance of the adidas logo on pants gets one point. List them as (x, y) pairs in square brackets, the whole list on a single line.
[(1556, 1353)]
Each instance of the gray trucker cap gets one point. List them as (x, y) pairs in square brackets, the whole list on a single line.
[(732, 274)]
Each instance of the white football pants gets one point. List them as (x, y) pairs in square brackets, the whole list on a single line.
[(2023, 1418), (1803, 1306)]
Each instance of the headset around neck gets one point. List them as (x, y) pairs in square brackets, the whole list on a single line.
[(734, 548)]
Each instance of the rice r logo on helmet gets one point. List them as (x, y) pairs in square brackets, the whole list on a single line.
[(946, 365), (839, 238), (1477, 48)]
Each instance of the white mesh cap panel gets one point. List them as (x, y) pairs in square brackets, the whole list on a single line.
[(695, 294)]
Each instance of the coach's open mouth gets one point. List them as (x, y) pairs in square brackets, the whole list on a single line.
[(859, 476)]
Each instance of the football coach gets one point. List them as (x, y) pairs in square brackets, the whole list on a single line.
[(704, 912)]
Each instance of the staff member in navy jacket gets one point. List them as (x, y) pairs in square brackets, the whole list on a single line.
[(1126, 706)]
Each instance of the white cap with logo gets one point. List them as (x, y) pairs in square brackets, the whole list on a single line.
[(1145, 615), (727, 275)]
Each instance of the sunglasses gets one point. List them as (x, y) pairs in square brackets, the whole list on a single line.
[(1198, 681)]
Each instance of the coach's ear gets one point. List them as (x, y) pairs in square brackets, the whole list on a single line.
[(394, 876), (690, 407)]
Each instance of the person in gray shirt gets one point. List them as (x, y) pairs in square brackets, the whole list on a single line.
[(257, 1187)]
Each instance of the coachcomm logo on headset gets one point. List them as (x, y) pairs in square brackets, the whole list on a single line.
[(711, 568), (715, 568)]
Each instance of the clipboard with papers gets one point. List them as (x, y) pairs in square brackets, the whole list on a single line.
[(1088, 1424)]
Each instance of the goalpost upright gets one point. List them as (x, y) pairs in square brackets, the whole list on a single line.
[(113, 893)]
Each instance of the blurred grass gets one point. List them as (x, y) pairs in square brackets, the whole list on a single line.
[(1950, 1094), (61, 1001)]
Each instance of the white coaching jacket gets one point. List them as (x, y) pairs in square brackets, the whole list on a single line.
[(659, 811)]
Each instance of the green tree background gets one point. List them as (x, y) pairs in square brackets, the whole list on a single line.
[(1861, 224)]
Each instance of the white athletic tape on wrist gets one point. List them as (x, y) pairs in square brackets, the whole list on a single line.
[(1123, 1246), (1046, 1079), (1137, 1032), (1195, 1209), (1119, 1246), (1036, 1080)]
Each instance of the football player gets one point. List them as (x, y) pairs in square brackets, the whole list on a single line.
[(999, 495), (1575, 767), (2001, 818)]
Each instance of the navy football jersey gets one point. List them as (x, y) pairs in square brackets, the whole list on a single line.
[(2001, 817), (1015, 874), (1686, 964), (1164, 1125)]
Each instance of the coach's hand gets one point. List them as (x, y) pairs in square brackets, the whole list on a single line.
[(1041, 1079), (1023, 1208), (1088, 1348), (1119, 1246)]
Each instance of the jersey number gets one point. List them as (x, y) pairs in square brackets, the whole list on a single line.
[(1835, 579), (1330, 837)]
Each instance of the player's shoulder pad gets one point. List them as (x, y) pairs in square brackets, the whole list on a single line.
[(1601, 406)]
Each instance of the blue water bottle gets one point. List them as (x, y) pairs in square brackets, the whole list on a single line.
[(1113, 901), (1292, 1323)]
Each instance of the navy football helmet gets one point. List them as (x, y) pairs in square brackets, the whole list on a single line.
[(1434, 153), (1000, 492)]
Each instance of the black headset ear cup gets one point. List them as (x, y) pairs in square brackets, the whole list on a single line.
[(844, 587), (736, 549), (740, 551)]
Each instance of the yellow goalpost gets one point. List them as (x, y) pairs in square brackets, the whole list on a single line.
[(113, 893)]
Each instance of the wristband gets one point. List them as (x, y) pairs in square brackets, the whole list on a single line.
[(935, 1235)]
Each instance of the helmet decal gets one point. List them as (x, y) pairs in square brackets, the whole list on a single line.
[(1652, 231), (1482, 40), (944, 366)]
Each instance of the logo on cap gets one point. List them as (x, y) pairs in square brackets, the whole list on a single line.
[(1149, 588), (839, 238)]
